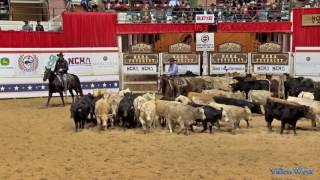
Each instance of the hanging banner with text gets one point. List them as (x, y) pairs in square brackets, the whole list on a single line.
[(227, 68)]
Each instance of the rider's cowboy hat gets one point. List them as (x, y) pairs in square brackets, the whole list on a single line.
[(172, 59), (60, 54)]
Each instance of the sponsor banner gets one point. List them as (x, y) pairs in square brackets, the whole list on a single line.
[(140, 69), (205, 41), (277, 69), (311, 20), (33, 64), (6, 66), (270, 58), (35, 87), (227, 68), (229, 58), (307, 64), (204, 18), (182, 69)]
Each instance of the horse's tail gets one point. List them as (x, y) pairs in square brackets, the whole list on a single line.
[(78, 85)]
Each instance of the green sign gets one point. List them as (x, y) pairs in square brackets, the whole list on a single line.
[(4, 61)]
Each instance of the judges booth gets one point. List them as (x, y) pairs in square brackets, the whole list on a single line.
[(140, 69), (228, 59), (186, 59), (270, 60)]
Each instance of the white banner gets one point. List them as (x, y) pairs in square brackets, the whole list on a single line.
[(227, 68), (33, 64), (275, 69), (205, 41), (183, 68), (307, 64), (140, 69), (204, 18), (21, 69)]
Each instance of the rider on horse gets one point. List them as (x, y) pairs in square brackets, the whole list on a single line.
[(61, 69), (172, 72)]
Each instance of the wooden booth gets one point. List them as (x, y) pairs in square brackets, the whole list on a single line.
[(228, 59), (186, 59), (270, 60), (140, 69)]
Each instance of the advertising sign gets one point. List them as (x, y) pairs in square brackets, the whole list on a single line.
[(265, 69), (204, 18), (311, 20), (205, 41), (264, 58), (182, 69), (229, 58), (227, 68), (307, 64), (140, 69), (33, 64)]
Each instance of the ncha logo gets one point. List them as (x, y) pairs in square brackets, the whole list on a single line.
[(5, 61)]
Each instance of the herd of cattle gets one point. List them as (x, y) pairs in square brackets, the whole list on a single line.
[(223, 99)]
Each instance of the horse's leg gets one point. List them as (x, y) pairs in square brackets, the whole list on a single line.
[(50, 95), (70, 91), (61, 95)]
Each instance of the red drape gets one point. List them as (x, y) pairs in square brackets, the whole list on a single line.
[(304, 35), (147, 28), (80, 30), (255, 27), (19, 39), (90, 29)]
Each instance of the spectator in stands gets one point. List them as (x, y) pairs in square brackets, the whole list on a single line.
[(253, 11), (274, 13), (39, 27), (173, 3), (85, 5), (145, 14), (27, 26)]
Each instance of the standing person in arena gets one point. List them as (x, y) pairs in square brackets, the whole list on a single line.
[(39, 27), (61, 69), (27, 26)]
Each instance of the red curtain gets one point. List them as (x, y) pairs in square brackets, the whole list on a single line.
[(146, 28), (304, 35), (255, 27), (19, 39), (90, 29), (80, 30)]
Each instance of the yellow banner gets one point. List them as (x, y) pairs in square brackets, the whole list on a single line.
[(311, 20)]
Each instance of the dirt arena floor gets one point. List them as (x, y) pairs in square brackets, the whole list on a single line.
[(40, 143)]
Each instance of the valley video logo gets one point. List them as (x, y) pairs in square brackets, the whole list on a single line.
[(4, 61)]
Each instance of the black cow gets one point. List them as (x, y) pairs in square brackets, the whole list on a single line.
[(246, 86), (254, 107), (126, 111), (317, 94), (293, 86), (212, 117), (80, 110), (286, 112)]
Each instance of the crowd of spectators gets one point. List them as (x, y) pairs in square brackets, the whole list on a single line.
[(181, 11)]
